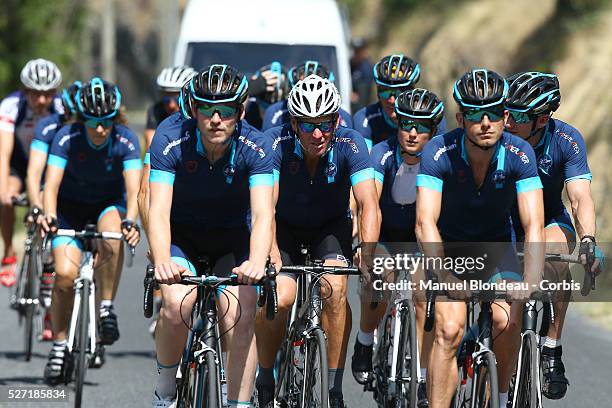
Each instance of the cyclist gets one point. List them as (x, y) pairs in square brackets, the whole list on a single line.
[(19, 114), (396, 164), (393, 74), (562, 161), (211, 182), (258, 104), (467, 183), (278, 113), (46, 129), (169, 82), (316, 162), (93, 164)]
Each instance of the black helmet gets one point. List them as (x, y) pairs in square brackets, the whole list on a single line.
[(307, 68), (533, 92), (396, 70), (185, 101), (281, 90), (480, 88), (420, 104), (218, 83), (98, 99), (69, 98)]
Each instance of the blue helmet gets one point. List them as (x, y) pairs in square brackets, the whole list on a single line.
[(480, 88), (307, 68), (396, 70), (533, 92), (282, 89), (69, 98), (98, 99), (419, 104)]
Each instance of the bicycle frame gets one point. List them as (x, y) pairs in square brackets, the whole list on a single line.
[(86, 271)]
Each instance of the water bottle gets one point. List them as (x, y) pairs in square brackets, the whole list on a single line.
[(47, 278)]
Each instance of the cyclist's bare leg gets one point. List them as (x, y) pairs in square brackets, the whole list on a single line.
[(109, 260), (7, 226), (442, 373), (237, 318), (506, 339), (67, 259), (371, 316), (559, 240), (171, 331), (336, 318), (271, 333)]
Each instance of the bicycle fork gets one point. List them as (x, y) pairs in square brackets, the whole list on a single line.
[(86, 272)]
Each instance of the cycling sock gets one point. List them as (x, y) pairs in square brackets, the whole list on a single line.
[(503, 399), (106, 304), (238, 404), (367, 339), (166, 381), (60, 345), (550, 351), (265, 377), (424, 373), (550, 342), (335, 382)]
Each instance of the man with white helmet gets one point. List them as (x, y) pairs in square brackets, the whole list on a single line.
[(316, 162), (19, 114)]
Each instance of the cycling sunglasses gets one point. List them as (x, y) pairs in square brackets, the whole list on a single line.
[(225, 111), (421, 127), (476, 115), (307, 127), (388, 93), (521, 117), (94, 123)]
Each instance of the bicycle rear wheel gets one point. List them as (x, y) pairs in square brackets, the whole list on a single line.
[(315, 392), (486, 392), (82, 333), (527, 390), (407, 379)]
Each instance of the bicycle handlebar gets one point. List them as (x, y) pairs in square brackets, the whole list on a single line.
[(93, 234), (320, 269), (588, 283), (21, 201)]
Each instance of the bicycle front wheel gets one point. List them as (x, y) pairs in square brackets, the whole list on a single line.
[(29, 295), (315, 392), (199, 384), (407, 377), (486, 391), (81, 344), (527, 378)]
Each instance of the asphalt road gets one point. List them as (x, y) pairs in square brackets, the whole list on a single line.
[(128, 377)]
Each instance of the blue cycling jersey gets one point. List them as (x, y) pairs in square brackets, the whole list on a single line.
[(375, 126), (387, 161), (277, 114), (561, 158), (93, 174), (45, 131), (311, 202), (470, 212), (208, 195)]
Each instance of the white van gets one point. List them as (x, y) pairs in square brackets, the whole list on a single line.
[(249, 34)]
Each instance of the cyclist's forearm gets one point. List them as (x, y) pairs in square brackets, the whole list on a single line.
[(534, 250), (50, 199), (36, 166), (143, 199), (159, 238), (369, 222), (583, 210), (132, 180), (261, 238)]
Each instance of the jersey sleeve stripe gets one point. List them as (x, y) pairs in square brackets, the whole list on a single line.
[(276, 175), (528, 184), (586, 176), (132, 164), (362, 175), (378, 176), (184, 263), (56, 161), (368, 143), (147, 159), (261, 180), (431, 182), (40, 146), (160, 176)]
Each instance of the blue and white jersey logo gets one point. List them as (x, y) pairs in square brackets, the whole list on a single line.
[(545, 163)]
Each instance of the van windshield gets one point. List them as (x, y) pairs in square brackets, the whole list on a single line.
[(249, 57)]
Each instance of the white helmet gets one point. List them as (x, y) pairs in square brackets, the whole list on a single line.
[(172, 79), (313, 97), (41, 75)]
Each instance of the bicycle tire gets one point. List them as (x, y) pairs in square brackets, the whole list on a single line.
[(315, 371), (283, 391), (527, 378), (83, 337), (406, 397), (208, 372), (485, 373), (381, 366), (29, 309), (199, 386)]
